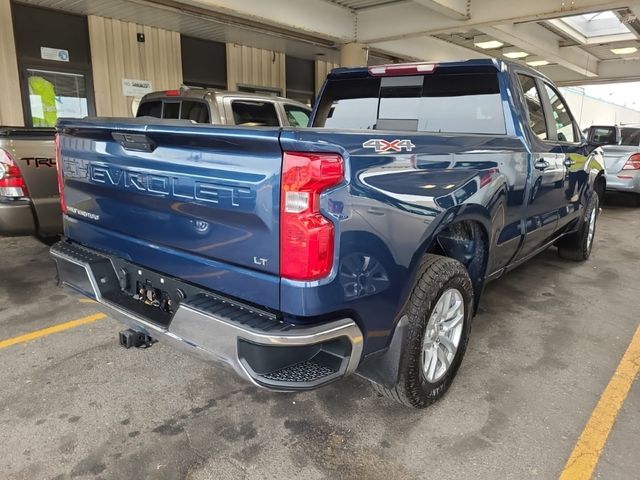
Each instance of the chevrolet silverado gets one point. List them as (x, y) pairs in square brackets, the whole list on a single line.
[(297, 256)]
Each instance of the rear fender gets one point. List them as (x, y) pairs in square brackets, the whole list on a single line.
[(457, 248), (382, 367)]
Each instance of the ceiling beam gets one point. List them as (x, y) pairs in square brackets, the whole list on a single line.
[(456, 9), (416, 20), (426, 48), (537, 40), (610, 71), (315, 17)]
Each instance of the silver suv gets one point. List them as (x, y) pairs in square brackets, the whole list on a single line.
[(220, 107)]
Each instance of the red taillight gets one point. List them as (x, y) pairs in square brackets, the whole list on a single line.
[(172, 93), (63, 203), (306, 236), (633, 163), (12, 184), (401, 69)]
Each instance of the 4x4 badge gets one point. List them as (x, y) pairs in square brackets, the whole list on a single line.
[(382, 146)]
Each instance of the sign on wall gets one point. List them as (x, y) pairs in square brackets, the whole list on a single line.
[(57, 54), (136, 88)]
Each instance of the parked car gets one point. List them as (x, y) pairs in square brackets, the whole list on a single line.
[(621, 146), (221, 107), (297, 256), (29, 202)]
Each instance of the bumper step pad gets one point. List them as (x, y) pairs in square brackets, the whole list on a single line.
[(308, 371)]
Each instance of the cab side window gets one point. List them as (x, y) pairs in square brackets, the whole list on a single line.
[(254, 113), (535, 111), (297, 117), (560, 116)]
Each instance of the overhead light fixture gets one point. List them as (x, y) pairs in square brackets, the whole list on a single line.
[(486, 42), (513, 52), (624, 50), (537, 62)]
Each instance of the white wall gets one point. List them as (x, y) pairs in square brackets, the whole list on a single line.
[(592, 111)]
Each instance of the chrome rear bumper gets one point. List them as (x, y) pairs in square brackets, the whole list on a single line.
[(268, 352)]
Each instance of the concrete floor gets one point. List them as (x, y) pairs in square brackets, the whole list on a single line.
[(544, 346)]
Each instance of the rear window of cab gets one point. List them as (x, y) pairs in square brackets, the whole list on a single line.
[(436, 102), (196, 111)]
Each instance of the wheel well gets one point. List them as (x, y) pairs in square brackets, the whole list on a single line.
[(467, 242)]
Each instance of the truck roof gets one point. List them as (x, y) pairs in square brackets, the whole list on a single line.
[(200, 93)]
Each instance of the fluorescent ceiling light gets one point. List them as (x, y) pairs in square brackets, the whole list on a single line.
[(491, 44), (514, 53), (538, 63), (624, 50), (486, 42)]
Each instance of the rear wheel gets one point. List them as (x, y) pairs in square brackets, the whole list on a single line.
[(578, 246), (439, 315)]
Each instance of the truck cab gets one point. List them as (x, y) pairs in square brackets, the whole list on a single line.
[(222, 107)]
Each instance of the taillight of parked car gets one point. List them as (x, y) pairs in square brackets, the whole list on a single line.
[(12, 184), (63, 203), (306, 236), (633, 163)]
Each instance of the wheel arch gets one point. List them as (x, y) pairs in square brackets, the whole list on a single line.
[(600, 185), (465, 236)]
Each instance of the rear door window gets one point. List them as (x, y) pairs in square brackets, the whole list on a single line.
[(254, 113), (440, 102), (535, 111)]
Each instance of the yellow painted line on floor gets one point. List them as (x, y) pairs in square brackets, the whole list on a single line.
[(60, 327), (86, 300), (590, 445)]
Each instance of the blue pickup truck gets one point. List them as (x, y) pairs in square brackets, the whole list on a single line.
[(297, 256)]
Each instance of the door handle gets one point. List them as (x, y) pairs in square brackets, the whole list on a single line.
[(568, 162), (541, 164)]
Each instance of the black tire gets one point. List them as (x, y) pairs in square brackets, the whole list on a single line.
[(438, 274), (577, 246)]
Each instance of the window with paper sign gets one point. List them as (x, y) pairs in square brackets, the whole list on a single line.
[(55, 94)]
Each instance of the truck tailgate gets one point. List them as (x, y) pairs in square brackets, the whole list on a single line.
[(195, 201)]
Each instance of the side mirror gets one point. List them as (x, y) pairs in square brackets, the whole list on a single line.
[(598, 136)]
